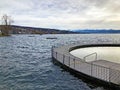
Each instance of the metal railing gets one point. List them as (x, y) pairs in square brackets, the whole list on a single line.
[(90, 55), (101, 72)]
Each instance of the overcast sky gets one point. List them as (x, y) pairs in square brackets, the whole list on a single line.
[(64, 14)]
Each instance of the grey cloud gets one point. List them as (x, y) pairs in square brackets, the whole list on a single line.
[(68, 14)]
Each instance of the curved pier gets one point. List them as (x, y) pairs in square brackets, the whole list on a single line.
[(104, 72)]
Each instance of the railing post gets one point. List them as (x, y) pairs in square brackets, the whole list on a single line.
[(74, 62), (56, 55), (63, 58), (69, 61), (109, 75), (91, 68)]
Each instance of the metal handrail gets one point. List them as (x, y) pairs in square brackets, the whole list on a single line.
[(96, 70), (90, 55)]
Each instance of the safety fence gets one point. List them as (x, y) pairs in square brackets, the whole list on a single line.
[(97, 71)]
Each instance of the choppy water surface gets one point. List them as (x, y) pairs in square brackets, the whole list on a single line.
[(25, 62)]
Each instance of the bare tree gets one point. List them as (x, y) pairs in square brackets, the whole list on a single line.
[(6, 24)]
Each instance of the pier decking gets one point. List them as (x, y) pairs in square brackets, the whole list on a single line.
[(100, 69)]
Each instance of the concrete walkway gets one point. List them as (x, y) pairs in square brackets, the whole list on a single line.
[(100, 69)]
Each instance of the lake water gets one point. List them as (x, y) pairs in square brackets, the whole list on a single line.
[(26, 64)]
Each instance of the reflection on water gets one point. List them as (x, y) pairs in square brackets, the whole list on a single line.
[(103, 53)]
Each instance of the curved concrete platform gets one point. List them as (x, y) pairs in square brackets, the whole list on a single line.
[(104, 72)]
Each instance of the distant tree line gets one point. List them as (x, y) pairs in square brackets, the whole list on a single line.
[(6, 28), (6, 22)]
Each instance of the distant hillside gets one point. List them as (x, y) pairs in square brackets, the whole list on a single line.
[(96, 31), (33, 30)]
